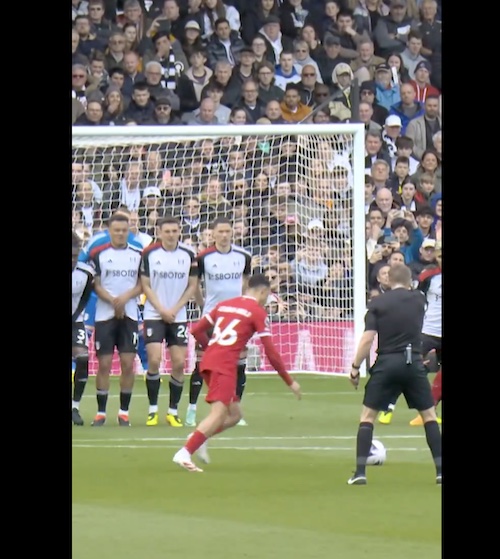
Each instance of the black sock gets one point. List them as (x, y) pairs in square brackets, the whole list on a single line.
[(363, 445), (242, 379), (433, 436), (102, 400), (175, 393), (153, 387), (195, 384), (81, 376), (79, 389), (125, 397)]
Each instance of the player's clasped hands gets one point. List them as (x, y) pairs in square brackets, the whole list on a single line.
[(168, 316), (119, 306), (295, 388)]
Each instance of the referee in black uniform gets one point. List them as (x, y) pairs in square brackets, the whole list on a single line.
[(396, 316)]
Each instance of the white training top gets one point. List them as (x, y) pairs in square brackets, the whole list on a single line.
[(222, 274), (168, 272), (118, 270), (81, 285), (433, 325)]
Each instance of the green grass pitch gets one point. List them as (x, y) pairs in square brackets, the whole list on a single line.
[(274, 490)]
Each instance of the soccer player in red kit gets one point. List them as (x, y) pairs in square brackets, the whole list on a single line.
[(233, 322)]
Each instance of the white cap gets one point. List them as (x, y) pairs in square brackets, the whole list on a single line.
[(393, 120), (428, 243), (191, 24), (151, 191), (316, 223)]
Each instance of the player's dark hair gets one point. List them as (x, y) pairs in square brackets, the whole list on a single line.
[(258, 280), (168, 220), (117, 217), (221, 221)]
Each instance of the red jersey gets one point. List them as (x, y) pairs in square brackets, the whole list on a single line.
[(421, 93), (234, 322)]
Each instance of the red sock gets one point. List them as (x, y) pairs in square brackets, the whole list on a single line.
[(195, 441), (436, 388)]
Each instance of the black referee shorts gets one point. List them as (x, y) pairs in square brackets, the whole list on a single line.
[(390, 375)]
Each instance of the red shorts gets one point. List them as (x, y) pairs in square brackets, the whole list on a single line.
[(221, 388)]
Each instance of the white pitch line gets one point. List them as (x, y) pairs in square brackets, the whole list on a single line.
[(285, 448), (298, 438), (286, 394)]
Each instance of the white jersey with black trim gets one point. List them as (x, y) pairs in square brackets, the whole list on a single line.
[(433, 323), (82, 278), (118, 270), (168, 272), (222, 274)]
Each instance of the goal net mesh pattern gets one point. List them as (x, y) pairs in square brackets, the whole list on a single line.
[(290, 199)]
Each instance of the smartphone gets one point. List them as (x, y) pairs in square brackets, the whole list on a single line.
[(395, 77)]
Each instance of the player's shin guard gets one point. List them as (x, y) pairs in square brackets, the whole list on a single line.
[(195, 385), (242, 378), (436, 388), (81, 377), (363, 445)]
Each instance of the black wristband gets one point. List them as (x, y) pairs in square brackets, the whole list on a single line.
[(353, 366)]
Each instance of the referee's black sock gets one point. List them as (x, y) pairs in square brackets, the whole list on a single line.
[(195, 385), (433, 436), (363, 445), (242, 379)]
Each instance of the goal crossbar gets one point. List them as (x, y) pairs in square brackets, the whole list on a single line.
[(117, 136)]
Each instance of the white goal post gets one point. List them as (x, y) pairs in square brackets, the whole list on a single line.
[(295, 194)]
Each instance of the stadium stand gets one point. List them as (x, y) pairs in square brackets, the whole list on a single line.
[(171, 62)]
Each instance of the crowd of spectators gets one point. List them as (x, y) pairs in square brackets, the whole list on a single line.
[(209, 62)]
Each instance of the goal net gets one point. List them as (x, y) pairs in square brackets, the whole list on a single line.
[(294, 193)]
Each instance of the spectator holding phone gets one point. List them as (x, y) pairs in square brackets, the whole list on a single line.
[(409, 235), (381, 255)]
